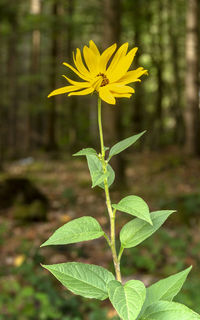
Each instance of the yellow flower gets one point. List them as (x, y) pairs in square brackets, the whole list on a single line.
[(109, 80)]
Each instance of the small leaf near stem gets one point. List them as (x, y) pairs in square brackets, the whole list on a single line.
[(120, 253), (107, 239), (108, 201)]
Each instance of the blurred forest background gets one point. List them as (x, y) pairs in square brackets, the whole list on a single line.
[(42, 187)]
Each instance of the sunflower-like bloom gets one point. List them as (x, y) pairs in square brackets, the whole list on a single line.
[(108, 78)]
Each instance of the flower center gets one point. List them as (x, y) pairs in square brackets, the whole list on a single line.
[(105, 80)]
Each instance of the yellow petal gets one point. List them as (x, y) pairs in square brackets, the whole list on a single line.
[(106, 55), (91, 60), (123, 66), (97, 83), (106, 95), (94, 48), (132, 76), (63, 90), (121, 95), (82, 92), (75, 71), (119, 88), (80, 65), (78, 84), (121, 52)]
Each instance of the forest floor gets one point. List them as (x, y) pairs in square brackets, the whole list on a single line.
[(165, 181)]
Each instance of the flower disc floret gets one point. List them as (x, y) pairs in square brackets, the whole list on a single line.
[(108, 77)]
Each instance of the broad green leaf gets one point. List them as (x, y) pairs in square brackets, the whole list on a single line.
[(85, 152), (135, 206), (95, 168), (86, 280), (165, 289), (127, 299), (165, 310), (124, 144), (81, 229), (136, 231)]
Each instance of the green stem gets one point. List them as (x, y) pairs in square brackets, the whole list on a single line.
[(100, 128), (108, 201)]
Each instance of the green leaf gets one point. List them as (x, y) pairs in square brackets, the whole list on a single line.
[(135, 206), (165, 310), (111, 177), (95, 168), (86, 280), (77, 230), (136, 231), (85, 152), (127, 299), (99, 177), (165, 289), (124, 144)]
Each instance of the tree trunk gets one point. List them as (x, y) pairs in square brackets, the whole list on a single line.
[(176, 96), (52, 114), (72, 102), (3, 115), (12, 87), (138, 110), (192, 112), (160, 65), (32, 121), (112, 115)]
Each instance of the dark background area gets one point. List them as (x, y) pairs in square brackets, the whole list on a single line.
[(42, 186)]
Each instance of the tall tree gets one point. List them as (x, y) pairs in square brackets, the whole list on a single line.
[(72, 103), (138, 110), (160, 71), (52, 113), (33, 122), (176, 95), (12, 80), (192, 112)]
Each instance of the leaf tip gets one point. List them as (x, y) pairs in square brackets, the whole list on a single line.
[(150, 222), (43, 244)]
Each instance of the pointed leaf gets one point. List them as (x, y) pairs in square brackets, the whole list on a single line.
[(86, 280), (95, 168), (165, 310), (85, 152), (135, 206), (124, 144), (165, 289), (81, 229), (136, 231), (127, 299)]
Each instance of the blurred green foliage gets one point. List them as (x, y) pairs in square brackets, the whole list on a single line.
[(30, 294), (36, 211), (187, 205)]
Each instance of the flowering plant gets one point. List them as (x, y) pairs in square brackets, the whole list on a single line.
[(131, 300)]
